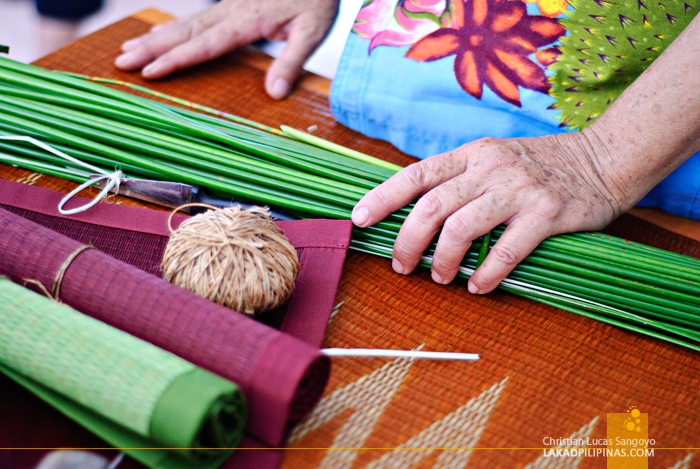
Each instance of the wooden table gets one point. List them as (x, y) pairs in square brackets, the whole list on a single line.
[(543, 373)]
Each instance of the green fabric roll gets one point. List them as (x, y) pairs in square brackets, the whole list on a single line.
[(129, 392)]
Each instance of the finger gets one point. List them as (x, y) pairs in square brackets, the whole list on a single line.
[(132, 44), (517, 242), (405, 186), (211, 44), (153, 45), (171, 23), (304, 38), (475, 219), (426, 218)]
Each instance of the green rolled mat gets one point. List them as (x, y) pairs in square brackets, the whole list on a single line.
[(132, 394)]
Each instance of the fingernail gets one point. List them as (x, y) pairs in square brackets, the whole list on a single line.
[(437, 277), (157, 27), (397, 266), (150, 69), (124, 60), (280, 89), (360, 216), (130, 44), (473, 288)]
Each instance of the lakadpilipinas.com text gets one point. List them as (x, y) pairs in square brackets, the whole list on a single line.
[(598, 447)]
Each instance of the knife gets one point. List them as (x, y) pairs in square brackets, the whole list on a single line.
[(175, 194)]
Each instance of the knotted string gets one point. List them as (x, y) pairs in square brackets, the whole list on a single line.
[(55, 293), (113, 178)]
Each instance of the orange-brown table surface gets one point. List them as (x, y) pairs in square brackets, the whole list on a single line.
[(543, 372)]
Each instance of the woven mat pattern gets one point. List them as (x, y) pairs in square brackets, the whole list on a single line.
[(74, 355), (543, 372), (252, 355), (141, 250)]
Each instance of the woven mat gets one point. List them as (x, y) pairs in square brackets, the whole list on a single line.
[(543, 372)]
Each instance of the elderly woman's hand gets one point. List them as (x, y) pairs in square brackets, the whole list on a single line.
[(546, 185), (230, 24), (537, 186)]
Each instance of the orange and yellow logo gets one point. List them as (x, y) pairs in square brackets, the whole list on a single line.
[(629, 446)]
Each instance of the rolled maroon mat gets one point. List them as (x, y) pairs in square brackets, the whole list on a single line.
[(138, 237), (272, 368), (282, 376)]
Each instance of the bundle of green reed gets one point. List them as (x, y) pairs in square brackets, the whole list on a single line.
[(636, 287)]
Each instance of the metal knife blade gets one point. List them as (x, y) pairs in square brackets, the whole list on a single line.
[(175, 194)]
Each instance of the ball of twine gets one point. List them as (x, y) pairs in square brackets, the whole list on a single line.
[(237, 258)]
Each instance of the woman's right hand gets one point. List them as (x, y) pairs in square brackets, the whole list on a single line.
[(229, 24)]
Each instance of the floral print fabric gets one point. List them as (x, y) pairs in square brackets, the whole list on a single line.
[(431, 75)]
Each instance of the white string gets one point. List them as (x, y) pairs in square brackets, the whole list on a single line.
[(113, 178), (31, 164), (361, 352)]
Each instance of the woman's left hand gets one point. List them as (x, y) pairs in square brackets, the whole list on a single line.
[(537, 186)]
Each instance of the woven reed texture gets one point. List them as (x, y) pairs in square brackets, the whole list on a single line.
[(142, 250), (231, 345), (98, 366), (543, 373), (138, 237)]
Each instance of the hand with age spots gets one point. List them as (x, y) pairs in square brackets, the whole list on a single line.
[(230, 24), (537, 186), (543, 186)]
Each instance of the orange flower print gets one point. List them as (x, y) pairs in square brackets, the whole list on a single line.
[(547, 57), (491, 41), (550, 8)]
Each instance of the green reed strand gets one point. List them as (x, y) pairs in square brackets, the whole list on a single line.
[(641, 250), (598, 291), (325, 144), (584, 268), (182, 102), (614, 322), (64, 173), (286, 131), (131, 133), (227, 166), (119, 96), (108, 164)]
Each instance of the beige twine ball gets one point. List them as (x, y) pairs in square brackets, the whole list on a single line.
[(237, 258)]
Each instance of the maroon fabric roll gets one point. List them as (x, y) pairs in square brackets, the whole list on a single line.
[(282, 376), (138, 237)]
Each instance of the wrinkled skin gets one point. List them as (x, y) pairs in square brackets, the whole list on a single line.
[(230, 24), (546, 185), (537, 186)]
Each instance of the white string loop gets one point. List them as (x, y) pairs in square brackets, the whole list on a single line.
[(112, 178)]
